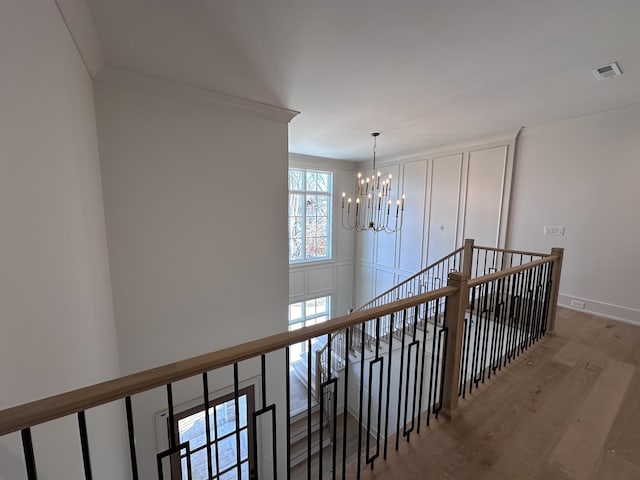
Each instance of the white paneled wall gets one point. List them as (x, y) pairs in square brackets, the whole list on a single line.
[(456, 193), (483, 201), (412, 233), (331, 277)]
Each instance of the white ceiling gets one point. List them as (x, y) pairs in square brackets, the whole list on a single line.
[(425, 73)]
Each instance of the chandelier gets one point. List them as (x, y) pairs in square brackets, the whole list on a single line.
[(373, 207)]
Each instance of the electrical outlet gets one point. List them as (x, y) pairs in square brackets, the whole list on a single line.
[(555, 230), (577, 304)]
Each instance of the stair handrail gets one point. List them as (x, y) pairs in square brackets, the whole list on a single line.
[(413, 277)]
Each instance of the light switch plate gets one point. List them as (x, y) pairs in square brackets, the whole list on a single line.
[(555, 230)]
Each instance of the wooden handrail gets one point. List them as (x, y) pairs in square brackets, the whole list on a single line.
[(517, 252), (510, 271), (57, 406)]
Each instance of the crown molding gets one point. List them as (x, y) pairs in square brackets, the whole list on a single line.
[(119, 77), (480, 143), (79, 23), (302, 160)]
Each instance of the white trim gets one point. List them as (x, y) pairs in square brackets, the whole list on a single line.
[(603, 309), (323, 163), (77, 18), (140, 82), (446, 150)]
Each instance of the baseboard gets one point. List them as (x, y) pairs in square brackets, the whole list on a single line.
[(614, 312)]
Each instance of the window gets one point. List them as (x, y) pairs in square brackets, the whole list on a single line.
[(191, 428), (309, 215), (305, 314)]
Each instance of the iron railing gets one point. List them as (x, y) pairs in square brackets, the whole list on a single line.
[(474, 260), (381, 396)]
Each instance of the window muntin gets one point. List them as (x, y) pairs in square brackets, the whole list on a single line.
[(305, 314), (309, 215), (191, 427)]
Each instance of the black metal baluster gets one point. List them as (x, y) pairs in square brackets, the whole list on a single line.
[(465, 328), (172, 426), (334, 419), (519, 307), (465, 364), (504, 315), (322, 405), (529, 308), (309, 409), (344, 413), (486, 254), (543, 298), (416, 344), (444, 366), (438, 380), (84, 443), (288, 407), (132, 439), (525, 309), (477, 337), (536, 305), (434, 359), (215, 434), (29, 457), (503, 322), (406, 432), (496, 325), (236, 401), (547, 297), (485, 344), (424, 353), (360, 402), (378, 359), (404, 333), (485, 336), (386, 415), (207, 422), (509, 319), (254, 473)]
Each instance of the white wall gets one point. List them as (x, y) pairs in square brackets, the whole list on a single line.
[(195, 198), (332, 277), (57, 329), (461, 191), (583, 174)]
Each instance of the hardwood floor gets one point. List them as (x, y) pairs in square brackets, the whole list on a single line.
[(569, 408)]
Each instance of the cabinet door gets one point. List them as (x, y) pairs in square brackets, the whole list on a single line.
[(485, 182), (415, 186), (445, 192)]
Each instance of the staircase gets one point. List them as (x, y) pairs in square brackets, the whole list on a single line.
[(299, 421), (475, 261), (299, 442)]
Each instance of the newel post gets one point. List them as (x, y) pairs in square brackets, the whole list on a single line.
[(555, 288), (467, 256), (454, 322)]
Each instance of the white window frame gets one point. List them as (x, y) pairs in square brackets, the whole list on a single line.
[(305, 318), (329, 196)]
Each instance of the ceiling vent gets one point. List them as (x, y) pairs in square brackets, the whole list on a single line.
[(608, 71)]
